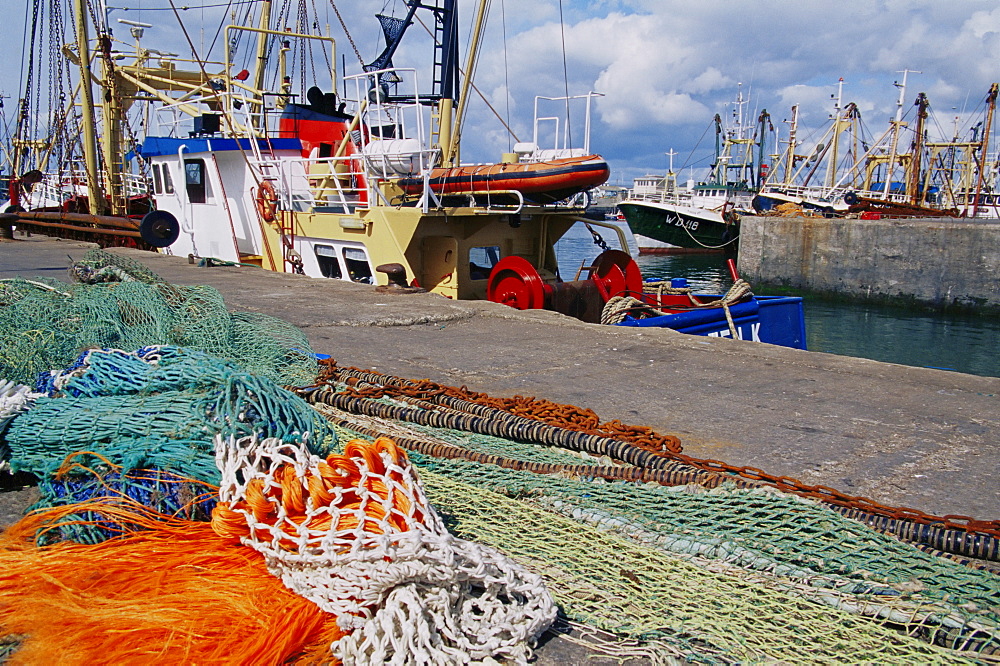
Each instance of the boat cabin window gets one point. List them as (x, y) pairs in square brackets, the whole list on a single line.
[(195, 181), (168, 182), (482, 260), (329, 266), (157, 182), (333, 262), (357, 265)]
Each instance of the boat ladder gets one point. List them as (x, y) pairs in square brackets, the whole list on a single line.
[(270, 185)]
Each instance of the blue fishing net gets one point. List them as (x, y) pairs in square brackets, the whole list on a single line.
[(162, 492)]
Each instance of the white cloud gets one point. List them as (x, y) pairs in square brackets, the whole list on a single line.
[(666, 67)]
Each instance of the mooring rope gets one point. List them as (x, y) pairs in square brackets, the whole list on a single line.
[(516, 428), (619, 307), (676, 474)]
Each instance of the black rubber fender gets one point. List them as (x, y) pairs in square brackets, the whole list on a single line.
[(159, 228)]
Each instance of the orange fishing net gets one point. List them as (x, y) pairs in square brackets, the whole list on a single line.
[(172, 592), (369, 490), (370, 573), (355, 534)]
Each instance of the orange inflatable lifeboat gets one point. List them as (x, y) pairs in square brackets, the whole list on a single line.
[(537, 182)]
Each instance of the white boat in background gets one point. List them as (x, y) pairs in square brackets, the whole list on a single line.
[(703, 216)]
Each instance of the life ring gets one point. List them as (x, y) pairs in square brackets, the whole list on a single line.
[(267, 201)]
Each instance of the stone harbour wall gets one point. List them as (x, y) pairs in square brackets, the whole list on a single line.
[(939, 262)]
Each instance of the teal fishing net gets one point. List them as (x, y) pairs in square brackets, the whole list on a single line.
[(158, 407), (45, 324), (199, 371)]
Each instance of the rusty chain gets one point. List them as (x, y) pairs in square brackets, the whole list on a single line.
[(583, 420)]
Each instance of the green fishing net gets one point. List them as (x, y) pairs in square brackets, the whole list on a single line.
[(723, 575), (158, 407), (45, 324)]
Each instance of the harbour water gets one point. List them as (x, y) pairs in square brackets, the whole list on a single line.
[(964, 343)]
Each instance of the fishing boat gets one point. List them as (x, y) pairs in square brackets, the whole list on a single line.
[(684, 223), (704, 216), (847, 174), (812, 182), (365, 184), (776, 320)]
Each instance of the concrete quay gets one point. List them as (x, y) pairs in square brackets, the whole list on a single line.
[(919, 438), (941, 263)]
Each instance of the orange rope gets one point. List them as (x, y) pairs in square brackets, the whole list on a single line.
[(569, 417), (170, 592), (335, 486)]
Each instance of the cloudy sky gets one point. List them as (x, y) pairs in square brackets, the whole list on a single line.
[(664, 67)]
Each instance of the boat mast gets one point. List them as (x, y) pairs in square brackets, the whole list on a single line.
[(450, 151), (792, 130), (831, 165), (763, 123), (17, 142), (261, 65), (718, 150), (95, 194), (913, 190), (670, 181), (890, 166), (111, 114), (991, 102), (738, 138)]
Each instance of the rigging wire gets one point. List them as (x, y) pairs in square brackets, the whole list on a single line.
[(562, 35), (218, 30), (472, 84), (323, 51), (475, 57), (506, 69), (21, 81), (688, 160), (236, 41), (347, 32), (26, 102), (185, 8)]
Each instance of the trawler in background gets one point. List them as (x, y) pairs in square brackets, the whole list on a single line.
[(704, 216), (843, 174), (896, 175)]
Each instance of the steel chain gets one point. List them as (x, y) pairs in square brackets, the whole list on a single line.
[(598, 239)]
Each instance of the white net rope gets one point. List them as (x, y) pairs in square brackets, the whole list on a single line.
[(355, 534)]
